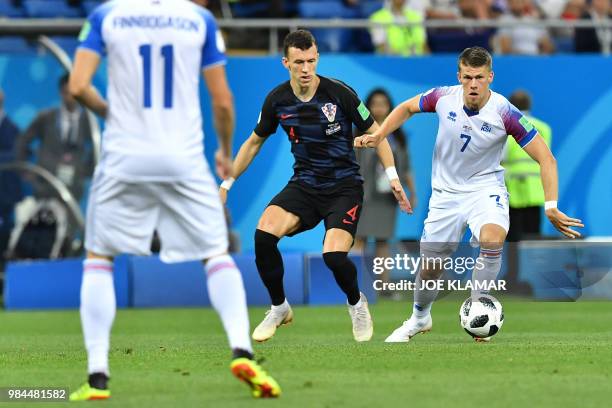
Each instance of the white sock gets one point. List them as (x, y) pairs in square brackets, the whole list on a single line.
[(491, 259), (226, 293), (423, 299), (282, 307), (98, 307)]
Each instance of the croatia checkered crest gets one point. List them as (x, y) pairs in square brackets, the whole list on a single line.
[(329, 110)]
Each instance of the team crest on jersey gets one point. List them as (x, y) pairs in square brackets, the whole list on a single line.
[(485, 127), (467, 128), (329, 110), (452, 116)]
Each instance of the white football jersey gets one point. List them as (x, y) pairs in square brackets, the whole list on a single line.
[(469, 143), (156, 51)]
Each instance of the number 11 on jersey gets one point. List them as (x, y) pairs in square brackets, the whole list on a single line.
[(167, 52)]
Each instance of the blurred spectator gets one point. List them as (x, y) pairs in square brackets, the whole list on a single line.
[(397, 39), (523, 176), (452, 9), (10, 185), (551, 8), (441, 9), (379, 214), (475, 9), (64, 147), (595, 39), (523, 39), (524, 185), (573, 9), (456, 40)]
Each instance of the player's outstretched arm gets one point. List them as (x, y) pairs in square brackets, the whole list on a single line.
[(396, 118), (223, 116), (538, 151), (385, 155), (249, 149), (85, 65)]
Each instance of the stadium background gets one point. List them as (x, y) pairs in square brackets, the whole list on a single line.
[(564, 94), (547, 355), (571, 92)]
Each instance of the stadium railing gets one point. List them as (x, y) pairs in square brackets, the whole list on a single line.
[(30, 27)]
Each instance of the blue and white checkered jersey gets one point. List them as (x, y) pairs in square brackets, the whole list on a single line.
[(156, 51)]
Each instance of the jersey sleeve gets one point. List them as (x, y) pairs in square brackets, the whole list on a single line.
[(91, 37), (429, 100), (354, 108), (267, 122), (213, 51), (517, 125)]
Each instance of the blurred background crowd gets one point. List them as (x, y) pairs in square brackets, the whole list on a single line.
[(38, 221)]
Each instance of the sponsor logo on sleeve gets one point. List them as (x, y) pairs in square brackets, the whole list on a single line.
[(85, 31), (363, 111), (220, 42), (526, 124)]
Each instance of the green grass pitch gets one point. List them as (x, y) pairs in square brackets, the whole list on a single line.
[(546, 355)]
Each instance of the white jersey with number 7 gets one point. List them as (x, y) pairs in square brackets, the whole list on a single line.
[(469, 143)]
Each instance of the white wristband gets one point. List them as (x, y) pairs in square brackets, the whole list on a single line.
[(550, 204), (227, 184), (391, 173)]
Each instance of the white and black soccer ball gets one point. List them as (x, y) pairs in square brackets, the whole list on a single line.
[(481, 317)]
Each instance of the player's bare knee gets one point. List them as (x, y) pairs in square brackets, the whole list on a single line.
[(93, 255), (220, 254), (337, 239), (492, 236), (278, 222)]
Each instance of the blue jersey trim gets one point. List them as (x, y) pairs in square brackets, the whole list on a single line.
[(211, 55), (470, 112), (528, 138), (95, 40), (421, 103)]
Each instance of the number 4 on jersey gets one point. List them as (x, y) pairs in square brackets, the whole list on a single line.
[(167, 52)]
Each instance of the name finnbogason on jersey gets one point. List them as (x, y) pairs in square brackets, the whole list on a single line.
[(157, 22)]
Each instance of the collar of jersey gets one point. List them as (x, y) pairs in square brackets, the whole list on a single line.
[(469, 111)]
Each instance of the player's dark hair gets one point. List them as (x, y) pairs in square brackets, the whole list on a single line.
[(475, 57), (399, 135), (300, 39), (521, 100), (63, 81)]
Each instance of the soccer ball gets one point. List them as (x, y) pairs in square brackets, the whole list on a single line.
[(481, 317)]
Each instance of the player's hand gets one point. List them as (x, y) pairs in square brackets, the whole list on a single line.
[(223, 195), (413, 200), (563, 223), (400, 196), (367, 140), (223, 164)]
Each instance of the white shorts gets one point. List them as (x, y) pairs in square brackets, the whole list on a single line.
[(450, 213), (187, 215)]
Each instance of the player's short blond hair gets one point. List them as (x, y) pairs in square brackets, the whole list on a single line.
[(475, 57)]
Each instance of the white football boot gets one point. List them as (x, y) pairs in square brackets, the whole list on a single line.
[(275, 317), (363, 327), (410, 328)]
